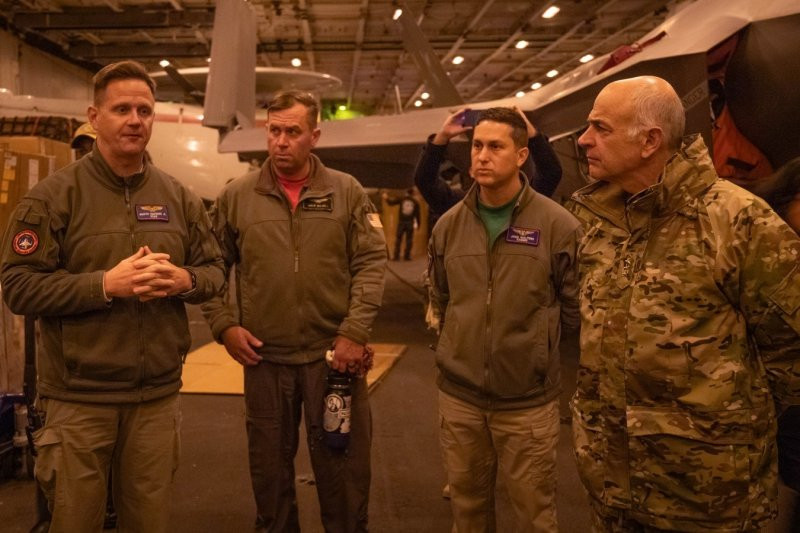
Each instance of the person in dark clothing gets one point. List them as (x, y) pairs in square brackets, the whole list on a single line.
[(542, 168), (407, 222), (782, 192)]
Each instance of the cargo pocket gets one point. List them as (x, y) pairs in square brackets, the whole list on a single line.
[(47, 441), (689, 468)]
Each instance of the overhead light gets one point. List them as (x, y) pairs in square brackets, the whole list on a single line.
[(397, 14), (522, 43), (552, 74), (587, 58), (296, 62), (425, 96), (520, 94), (458, 60), (164, 63), (536, 86), (418, 103), (551, 12), (342, 107)]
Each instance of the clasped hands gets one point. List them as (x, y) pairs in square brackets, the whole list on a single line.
[(147, 275)]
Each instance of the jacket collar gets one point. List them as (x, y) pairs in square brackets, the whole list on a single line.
[(99, 169), (319, 181), (525, 197), (685, 177)]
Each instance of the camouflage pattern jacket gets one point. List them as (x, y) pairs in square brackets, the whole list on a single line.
[(690, 329)]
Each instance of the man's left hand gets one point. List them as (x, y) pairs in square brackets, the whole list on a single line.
[(347, 355)]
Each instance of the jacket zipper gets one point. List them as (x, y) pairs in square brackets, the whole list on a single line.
[(138, 303)]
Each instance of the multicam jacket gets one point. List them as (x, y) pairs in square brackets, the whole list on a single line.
[(690, 337)]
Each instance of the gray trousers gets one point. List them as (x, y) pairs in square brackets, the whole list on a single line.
[(274, 396)]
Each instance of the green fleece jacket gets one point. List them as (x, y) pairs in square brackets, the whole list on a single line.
[(68, 230), (503, 305), (302, 277)]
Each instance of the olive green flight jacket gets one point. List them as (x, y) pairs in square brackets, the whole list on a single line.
[(65, 233), (502, 305), (302, 277)]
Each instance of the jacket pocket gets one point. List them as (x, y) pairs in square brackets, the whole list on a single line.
[(47, 441), (98, 353), (690, 467)]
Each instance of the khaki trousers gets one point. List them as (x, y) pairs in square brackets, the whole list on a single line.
[(520, 443), (275, 395), (80, 441)]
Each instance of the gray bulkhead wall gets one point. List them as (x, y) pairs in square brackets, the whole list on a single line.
[(26, 70)]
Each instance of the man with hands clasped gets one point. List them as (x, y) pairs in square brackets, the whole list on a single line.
[(105, 252)]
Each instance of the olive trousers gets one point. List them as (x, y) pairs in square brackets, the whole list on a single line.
[(79, 442)]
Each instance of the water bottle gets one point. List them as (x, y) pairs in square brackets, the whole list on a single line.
[(336, 417)]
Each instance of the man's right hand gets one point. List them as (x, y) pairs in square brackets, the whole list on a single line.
[(240, 343), (453, 126)]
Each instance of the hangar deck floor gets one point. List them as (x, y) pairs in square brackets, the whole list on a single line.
[(212, 489)]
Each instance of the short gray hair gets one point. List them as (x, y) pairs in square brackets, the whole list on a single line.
[(654, 108)]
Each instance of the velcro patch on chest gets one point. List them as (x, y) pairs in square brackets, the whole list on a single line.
[(318, 204), (152, 212), (25, 242), (517, 235)]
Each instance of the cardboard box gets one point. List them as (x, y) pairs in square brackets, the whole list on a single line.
[(62, 152), (18, 173), (12, 351)]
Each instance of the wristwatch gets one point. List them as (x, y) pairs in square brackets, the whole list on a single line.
[(194, 284)]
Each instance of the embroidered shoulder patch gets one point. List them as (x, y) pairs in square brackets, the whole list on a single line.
[(318, 204), (523, 236), (147, 213), (374, 220), (25, 242)]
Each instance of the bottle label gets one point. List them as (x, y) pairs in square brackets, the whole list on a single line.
[(337, 413)]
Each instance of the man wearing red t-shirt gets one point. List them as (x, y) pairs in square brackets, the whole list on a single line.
[(310, 256)]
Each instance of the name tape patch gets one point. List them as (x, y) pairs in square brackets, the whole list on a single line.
[(318, 204), (150, 212), (523, 236), (25, 242)]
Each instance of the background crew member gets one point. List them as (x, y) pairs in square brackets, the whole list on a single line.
[(504, 278), (782, 192), (690, 334), (407, 222), (310, 257), (544, 174), (104, 252), (83, 140)]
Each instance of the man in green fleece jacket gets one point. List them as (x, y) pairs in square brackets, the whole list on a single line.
[(310, 256), (504, 280), (105, 252)]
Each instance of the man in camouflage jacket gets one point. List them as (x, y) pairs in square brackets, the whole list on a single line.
[(690, 331)]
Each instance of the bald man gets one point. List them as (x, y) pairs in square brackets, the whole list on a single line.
[(690, 326)]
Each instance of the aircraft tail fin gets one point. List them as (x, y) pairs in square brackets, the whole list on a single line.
[(231, 86)]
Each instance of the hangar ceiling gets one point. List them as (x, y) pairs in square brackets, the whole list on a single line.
[(354, 40)]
